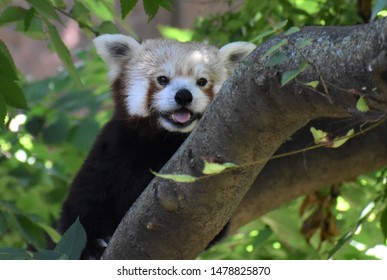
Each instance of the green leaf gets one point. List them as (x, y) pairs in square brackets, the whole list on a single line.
[(280, 25), (7, 65), (48, 255), (46, 9), (13, 254), (151, 7), (181, 35), (30, 231), (304, 43), (277, 58), (108, 27), (3, 111), (181, 178), (11, 91), (216, 168), (12, 14), (57, 132), (60, 4), (13, 94), (319, 136), (383, 222), (377, 7), (73, 241), (84, 134), (3, 224), (277, 46), (312, 84), (80, 13), (269, 32), (362, 105), (127, 6), (28, 18), (323, 138), (340, 141), (292, 30), (340, 244), (63, 53), (54, 235), (291, 74), (35, 29)]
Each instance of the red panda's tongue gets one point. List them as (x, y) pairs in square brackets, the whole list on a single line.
[(181, 116)]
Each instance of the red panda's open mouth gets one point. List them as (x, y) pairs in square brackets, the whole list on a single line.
[(181, 117)]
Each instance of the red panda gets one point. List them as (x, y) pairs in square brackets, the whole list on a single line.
[(160, 88)]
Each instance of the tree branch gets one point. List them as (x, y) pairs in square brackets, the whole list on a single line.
[(285, 179), (251, 117)]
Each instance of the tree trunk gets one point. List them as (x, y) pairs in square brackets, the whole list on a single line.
[(250, 118)]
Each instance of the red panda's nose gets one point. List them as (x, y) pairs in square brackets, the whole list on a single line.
[(183, 97)]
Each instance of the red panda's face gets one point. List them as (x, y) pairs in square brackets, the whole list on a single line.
[(170, 82)]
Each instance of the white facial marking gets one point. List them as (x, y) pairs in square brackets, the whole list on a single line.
[(137, 98)]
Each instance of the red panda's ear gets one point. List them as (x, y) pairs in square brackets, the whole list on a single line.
[(115, 48), (232, 53)]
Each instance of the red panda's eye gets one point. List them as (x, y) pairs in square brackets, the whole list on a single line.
[(162, 80), (201, 82)]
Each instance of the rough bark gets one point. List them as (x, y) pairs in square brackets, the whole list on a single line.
[(248, 121)]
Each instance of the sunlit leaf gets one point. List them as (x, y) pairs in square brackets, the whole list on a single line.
[(323, 138), (216, 168), (319, 136), (339, 141), (362, 105), (378, 6), (312, 84), (181, 178), (182, 35)]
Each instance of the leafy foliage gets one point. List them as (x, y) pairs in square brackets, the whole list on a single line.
[(41, 148)]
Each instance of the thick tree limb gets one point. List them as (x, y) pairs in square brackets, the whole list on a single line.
[(248, 121), (287, 178)]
